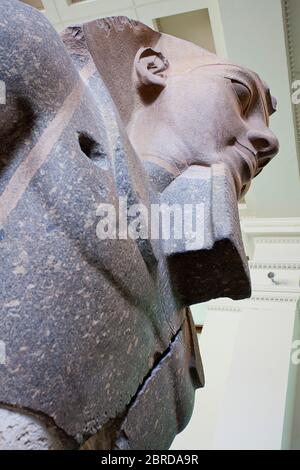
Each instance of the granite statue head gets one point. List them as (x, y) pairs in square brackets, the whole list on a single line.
[(182, 105), (100, 343)]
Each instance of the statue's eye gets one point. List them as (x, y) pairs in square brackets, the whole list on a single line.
[(243, 94)]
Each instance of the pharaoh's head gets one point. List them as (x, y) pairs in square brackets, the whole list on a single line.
[(79, 315), (182, 105)]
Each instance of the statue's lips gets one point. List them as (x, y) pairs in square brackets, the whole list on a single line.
[(249, 158), (246, 169)]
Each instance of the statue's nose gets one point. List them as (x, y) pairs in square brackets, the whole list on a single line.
[(265, 144)]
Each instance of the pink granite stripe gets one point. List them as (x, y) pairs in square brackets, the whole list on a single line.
[(40, 152)]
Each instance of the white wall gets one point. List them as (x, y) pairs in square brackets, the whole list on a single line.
[(294, 412), (254, 34), (250, 400), (217, 347), (253, 412), (192, 26)]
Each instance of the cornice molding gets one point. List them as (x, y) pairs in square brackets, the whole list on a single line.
[(274, 298), (224, 308), (291, 58), (268, 265), (239, 306), (277, 240), (283, 226), (272, 232), (289, 36)]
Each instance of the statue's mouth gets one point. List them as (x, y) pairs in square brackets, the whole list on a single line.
[(243, 168), (249, 157), (253, 162)]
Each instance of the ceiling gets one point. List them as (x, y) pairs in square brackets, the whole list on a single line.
[(193, 26), (263, 35), (292, 18)]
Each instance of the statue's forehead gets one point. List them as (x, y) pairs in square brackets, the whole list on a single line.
[(234, 72)]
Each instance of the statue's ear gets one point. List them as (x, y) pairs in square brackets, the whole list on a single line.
[(151, 66)]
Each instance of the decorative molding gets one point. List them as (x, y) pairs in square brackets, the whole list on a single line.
[(274, 298), (276, 290), (239, 306), (291, 57), (275, 225), (267, 265), (278, 240), (224, 307), (289, 37)]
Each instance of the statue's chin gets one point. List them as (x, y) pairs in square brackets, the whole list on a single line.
[(216, 237)]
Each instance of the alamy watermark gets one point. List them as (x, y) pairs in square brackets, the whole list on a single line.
[(158, 221), (296, 353), (2, 353), (296, 92), (2, 92)]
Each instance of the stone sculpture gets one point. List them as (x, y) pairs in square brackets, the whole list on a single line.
[(100, 347)]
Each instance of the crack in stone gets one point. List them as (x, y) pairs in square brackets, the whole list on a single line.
[(111, 433), (153, 369), (121, 441)]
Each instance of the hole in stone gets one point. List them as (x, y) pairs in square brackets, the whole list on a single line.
[(93, 150)]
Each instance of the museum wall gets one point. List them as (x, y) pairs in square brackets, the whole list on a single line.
[(251, 399)]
